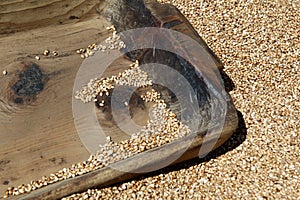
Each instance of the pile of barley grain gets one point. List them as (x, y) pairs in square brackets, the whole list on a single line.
[(259, 43), (134, 76)]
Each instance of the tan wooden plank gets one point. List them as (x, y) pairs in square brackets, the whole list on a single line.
[(39, 137)]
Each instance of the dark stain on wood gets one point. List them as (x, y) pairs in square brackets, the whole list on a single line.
[(3, 164), (72, 17), (62, 161), (6, 182), (18, 100), (171, 24), (31, 81), (53, 160)]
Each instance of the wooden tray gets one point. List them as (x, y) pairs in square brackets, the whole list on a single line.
[(37, 132)]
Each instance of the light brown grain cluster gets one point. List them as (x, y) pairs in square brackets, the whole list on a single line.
[(133, 76), (113, 42)]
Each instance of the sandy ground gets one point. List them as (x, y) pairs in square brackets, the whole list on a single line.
[(259, 44)]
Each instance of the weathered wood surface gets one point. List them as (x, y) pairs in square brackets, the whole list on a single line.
[(141, 162), (39, 137), (37, 132)]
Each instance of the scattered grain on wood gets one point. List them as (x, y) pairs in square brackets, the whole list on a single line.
[(163, 128), (54, 53), (46, 52)]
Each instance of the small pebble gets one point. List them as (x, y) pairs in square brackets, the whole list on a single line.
[(46, 52), (54, 53)]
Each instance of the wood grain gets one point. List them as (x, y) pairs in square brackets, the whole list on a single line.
[(121, 171), (39, 137)]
